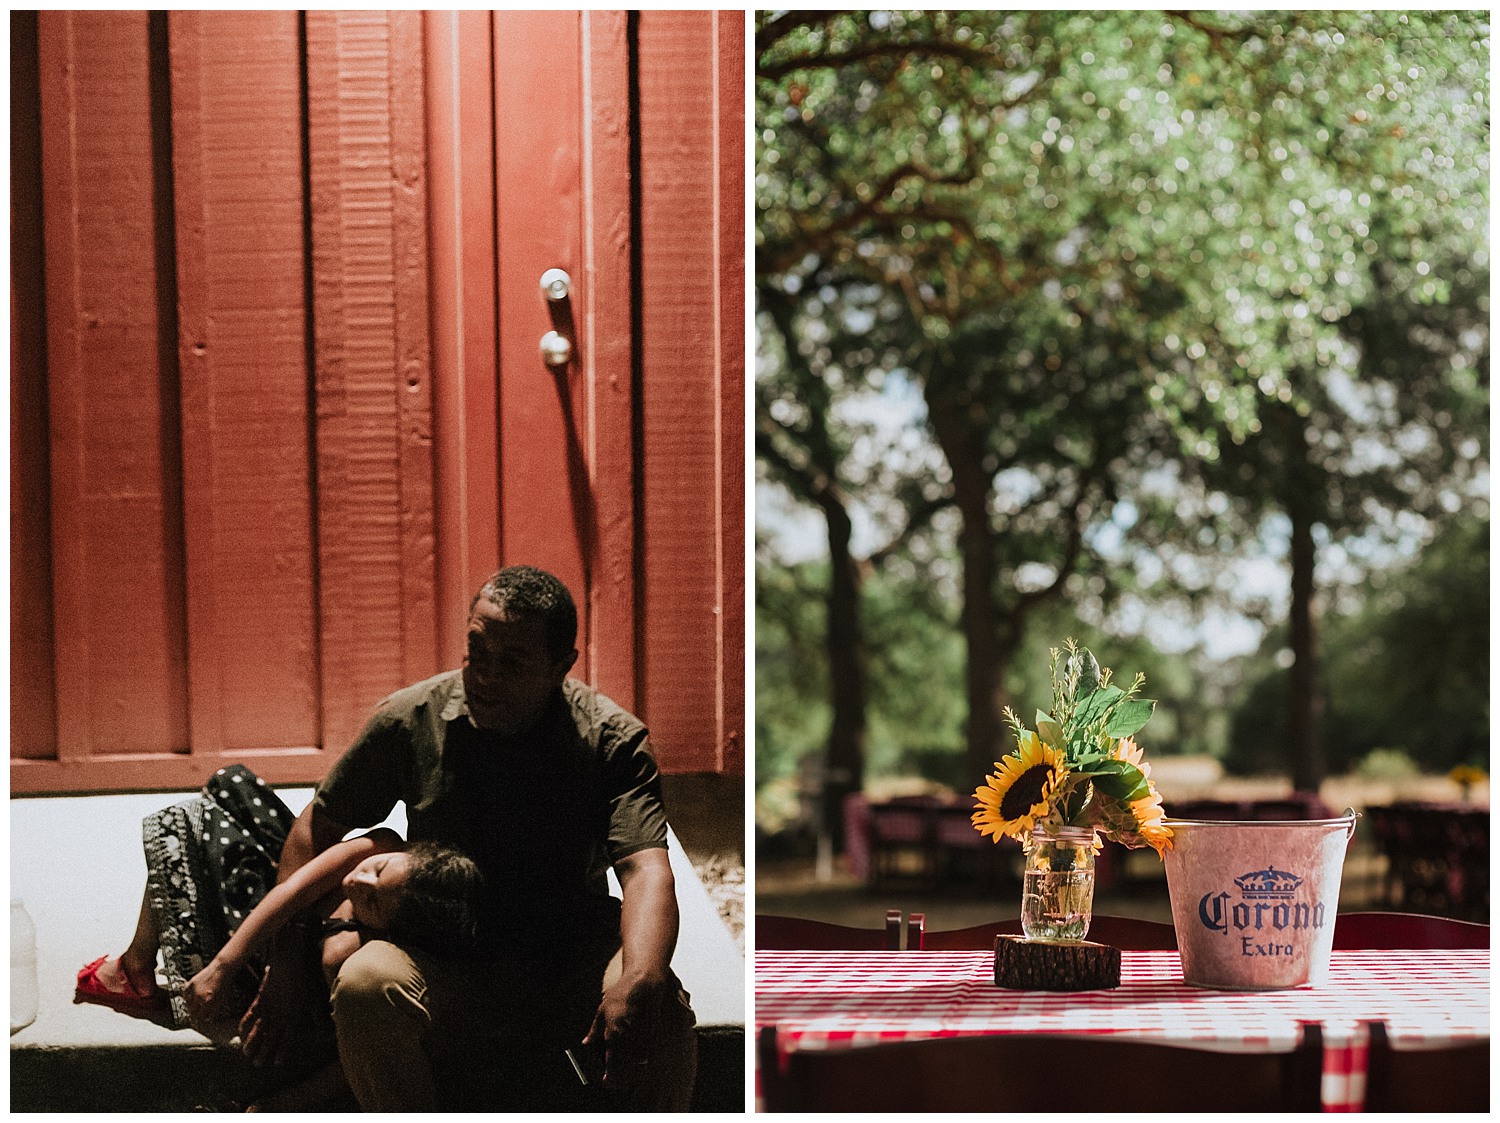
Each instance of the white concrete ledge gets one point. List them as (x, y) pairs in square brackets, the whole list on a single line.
[(77, 863)]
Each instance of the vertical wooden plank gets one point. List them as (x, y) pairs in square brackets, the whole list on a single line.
[(460, 130), (734, 204), (413, 348), (33, 728), (237, 131), (117, 561), (682, 687), (608, 346), (370, 387), (546, 501)]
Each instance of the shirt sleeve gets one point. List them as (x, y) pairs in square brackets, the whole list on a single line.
[(637, 816), (362, 788)]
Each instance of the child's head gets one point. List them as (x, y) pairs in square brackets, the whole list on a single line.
[(425, 896)]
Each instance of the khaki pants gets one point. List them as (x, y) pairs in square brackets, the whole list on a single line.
[(419, 1034)]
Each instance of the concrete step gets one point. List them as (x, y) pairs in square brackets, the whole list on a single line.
[(199, 1077), (77, 863)]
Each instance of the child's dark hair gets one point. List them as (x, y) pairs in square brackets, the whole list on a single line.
[(438, 910)]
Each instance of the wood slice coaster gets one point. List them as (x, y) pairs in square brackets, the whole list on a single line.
[(1022, 964)]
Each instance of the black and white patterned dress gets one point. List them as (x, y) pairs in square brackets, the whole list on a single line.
[(209, 861)]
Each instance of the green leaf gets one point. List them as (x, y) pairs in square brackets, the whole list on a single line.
[(1049, 730), (1130, 716), (1120, 781), (1094, 706), (1088, 672)]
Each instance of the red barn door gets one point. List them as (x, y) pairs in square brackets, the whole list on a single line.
[(278, 396)]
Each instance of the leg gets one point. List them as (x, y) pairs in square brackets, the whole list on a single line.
[(133, 974), (384, 1029), (139, 959), (417, 1033)]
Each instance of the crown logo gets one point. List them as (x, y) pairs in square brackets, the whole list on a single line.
[(1268, 883)]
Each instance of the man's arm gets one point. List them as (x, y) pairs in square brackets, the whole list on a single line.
[(648, 935), (648, 913), (265, 1030)]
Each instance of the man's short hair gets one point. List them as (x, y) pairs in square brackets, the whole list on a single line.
[(524, 590)]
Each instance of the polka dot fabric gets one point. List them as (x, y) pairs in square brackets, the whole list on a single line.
[(209, 861)]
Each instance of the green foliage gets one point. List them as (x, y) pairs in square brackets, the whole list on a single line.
[(1089, 717), (791, 676), (1412, 669), (1211, 180), (1128, 255), (917, 664), (1407, 672), (1387, 765), (916, 657), (1258, 732)]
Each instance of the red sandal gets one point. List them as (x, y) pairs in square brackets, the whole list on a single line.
[(91, 988)]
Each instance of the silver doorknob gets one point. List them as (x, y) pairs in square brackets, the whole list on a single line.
[(556, 284), (556, 350)]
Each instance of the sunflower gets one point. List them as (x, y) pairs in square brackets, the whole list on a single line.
[(1147, 811), (1148, 814), (1020, 792), (1131, 753)]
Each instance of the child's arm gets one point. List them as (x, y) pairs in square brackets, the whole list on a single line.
[(313, 881)]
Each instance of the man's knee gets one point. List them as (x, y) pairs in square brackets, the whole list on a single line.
[(379, 981)]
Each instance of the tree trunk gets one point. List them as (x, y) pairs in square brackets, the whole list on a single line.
[(1300, 491), (1305, 717), (844, 769), (985, 666)]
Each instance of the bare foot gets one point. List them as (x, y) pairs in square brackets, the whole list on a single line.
[(105, 983), (116, 977), (141, 971)]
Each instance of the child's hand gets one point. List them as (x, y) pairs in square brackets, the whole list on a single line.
[(209, 995)]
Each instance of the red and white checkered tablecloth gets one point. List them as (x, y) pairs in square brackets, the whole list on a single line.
[(837, 999)]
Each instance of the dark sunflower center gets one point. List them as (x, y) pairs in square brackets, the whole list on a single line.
[(1025, 791)]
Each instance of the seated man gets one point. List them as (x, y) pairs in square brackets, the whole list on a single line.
[(545, 783)]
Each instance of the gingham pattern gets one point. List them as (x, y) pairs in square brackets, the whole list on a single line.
[(836, 999)]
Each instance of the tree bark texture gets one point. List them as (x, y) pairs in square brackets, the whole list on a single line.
[(984, 668), (1305, 717), (847, 673), (1305, 697), (1022, 964)]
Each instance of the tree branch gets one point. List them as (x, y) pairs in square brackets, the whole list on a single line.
[(918, 518), (833, 60)]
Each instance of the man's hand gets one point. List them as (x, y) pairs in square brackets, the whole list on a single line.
[(626, 1025), (626, 1022)]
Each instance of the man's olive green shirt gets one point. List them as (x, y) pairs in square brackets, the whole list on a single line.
[(543, 814)]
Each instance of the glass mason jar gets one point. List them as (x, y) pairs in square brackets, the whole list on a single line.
[(1057, 892)]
